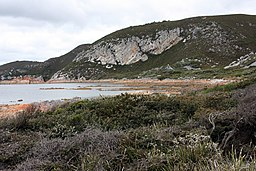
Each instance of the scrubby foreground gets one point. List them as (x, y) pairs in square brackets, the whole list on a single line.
[(209, 130)]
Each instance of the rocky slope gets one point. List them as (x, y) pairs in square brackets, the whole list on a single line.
[(189, 44), (201, 43), (130, 50)]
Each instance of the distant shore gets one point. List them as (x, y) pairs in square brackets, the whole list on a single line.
[(118, 81), (167, 86), (4, 82), (148, 86)]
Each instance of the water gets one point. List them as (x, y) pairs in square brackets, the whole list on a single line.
[(28, 93)]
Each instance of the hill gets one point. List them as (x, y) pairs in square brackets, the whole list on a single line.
[(169, 48), (45, 69), (202, 47)]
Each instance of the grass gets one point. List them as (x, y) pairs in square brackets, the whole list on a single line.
[(233, 86)]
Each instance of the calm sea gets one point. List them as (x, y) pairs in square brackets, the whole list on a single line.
[(28, 93)]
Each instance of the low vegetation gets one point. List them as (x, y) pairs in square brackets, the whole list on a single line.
[(208, 130)]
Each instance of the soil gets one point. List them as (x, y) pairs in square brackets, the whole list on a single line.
[(11, 110)]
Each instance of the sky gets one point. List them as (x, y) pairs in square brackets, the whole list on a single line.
[(37, 30)]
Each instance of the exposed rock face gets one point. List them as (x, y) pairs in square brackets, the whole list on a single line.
[(60, 76), (130, 50), (215, 37), (246, 61)]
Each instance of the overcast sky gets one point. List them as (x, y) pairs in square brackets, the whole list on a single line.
[(40, 29)]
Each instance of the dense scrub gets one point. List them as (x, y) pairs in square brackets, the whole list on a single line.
[(236, 128), (136, 132)]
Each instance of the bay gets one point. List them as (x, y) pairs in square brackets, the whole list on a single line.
[(29, 93)]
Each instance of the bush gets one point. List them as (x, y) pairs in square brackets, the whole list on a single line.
[(116, 113), (219, 101), (243, 134)]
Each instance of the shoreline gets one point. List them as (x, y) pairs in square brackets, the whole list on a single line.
[(147, 86), (4, 82)]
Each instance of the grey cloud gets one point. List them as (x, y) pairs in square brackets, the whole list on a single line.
[(56, 11)]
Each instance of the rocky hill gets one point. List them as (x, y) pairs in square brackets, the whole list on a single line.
[(39, 69), (166, 49)]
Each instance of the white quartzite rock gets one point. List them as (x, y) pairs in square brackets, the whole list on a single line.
[(130, 50)]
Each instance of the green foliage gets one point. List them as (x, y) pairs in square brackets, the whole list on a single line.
[(121, 112), (219, 101), (233, 86)]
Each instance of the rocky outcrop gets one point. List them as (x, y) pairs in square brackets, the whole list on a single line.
[(130, 50), (245, 61), (60, 76)]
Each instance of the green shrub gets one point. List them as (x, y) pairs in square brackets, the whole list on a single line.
[(232, 86), (120, 112), (219, 101)]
